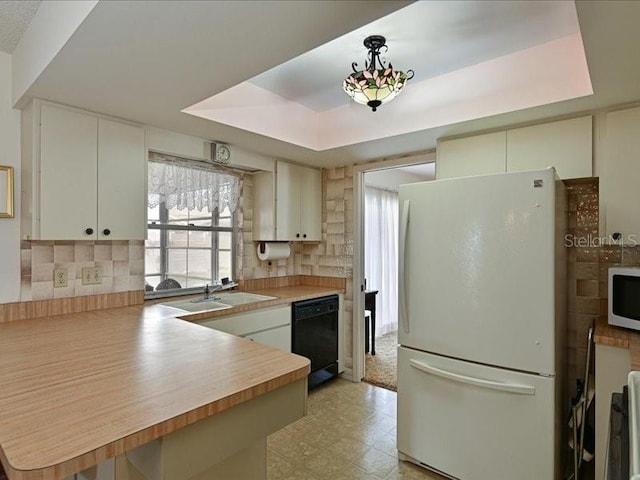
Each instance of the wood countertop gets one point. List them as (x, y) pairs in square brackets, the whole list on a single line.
[(606, 334), (80, 388)]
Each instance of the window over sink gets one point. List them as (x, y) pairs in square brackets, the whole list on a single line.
[(192, 226)]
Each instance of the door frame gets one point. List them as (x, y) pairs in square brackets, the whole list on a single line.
[(357, 358)]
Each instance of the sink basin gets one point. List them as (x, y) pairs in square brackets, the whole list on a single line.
[(217, 301), (200, 306), (240, 298)]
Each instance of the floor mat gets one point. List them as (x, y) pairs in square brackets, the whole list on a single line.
[(381, 368)]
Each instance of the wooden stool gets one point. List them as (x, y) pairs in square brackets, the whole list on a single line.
[(368, 319)]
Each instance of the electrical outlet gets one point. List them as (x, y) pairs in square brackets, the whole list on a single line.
[(59, 278), (92, 275)]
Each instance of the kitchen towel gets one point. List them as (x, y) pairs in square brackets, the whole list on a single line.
[(273, 250)]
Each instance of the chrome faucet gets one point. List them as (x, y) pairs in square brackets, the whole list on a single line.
[(208, 290)]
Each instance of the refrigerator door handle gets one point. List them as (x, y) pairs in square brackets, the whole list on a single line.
[(402, 281), (478, 382)]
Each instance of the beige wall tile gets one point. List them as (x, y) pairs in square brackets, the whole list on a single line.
[(42, 290), (63, 253), (39, 257), (83, 252), (41, 253), (120, 269), (120, 253), (120, 284), (102, 252), (42, 272), (107, 267)]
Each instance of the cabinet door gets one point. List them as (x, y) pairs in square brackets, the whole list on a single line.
[(68, 173), (276, 337), (621, 174), (311, 204), (244, 324), (466, 157), (264, 206), (565, 145), (121, 182), (288, 208)]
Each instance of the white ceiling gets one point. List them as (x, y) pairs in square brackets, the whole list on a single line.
[(14, 20), (146, 61), (430, 37)]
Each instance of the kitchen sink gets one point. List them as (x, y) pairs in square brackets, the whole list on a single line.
[(199, 306), (240, 298), (217, 301)]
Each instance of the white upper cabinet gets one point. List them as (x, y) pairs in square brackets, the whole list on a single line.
[(122, 175), (477, 155), (68, 173), (565, 145), (84, 176), (288, 204), (620, 175)]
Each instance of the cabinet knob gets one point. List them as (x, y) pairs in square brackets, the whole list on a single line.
[(304, 236), (106, 232), (297, 235), (616, 236), (89, 231)]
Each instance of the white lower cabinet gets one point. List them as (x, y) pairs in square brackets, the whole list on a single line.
[(279, 337), (269, 326)]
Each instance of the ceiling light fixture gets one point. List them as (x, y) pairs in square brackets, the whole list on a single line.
[(377, 83)]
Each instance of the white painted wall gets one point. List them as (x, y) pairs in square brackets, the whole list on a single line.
[(9, 155), (49, 30)]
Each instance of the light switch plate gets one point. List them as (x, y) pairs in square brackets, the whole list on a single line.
[(92, 275), (60, 278)]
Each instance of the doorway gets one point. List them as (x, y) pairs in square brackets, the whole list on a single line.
[(378, 265)]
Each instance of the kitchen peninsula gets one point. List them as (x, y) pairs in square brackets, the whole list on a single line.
[(164, 397)]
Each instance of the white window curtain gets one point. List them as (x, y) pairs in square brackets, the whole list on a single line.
[(184, 184), (381, 255)]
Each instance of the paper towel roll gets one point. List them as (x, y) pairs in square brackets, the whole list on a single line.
[(274, 251)]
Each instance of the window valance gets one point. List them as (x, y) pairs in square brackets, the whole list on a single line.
[(190, 184)]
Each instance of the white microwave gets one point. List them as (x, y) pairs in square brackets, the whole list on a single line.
[(624, 297)]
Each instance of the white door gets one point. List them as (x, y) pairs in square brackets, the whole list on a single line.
[(68, 174), (475, 422), (477, 279), (122, 202)]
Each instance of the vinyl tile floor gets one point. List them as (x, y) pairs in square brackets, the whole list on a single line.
[(349, 433)]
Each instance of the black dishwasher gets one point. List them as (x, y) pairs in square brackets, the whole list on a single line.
[(314, 333)]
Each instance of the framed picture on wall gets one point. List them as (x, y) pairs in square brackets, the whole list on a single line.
[(6, 191)]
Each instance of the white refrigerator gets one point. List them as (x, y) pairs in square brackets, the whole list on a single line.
[(482, 294)]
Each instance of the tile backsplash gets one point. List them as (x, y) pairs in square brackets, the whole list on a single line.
[(587, 271), (122, 264)]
